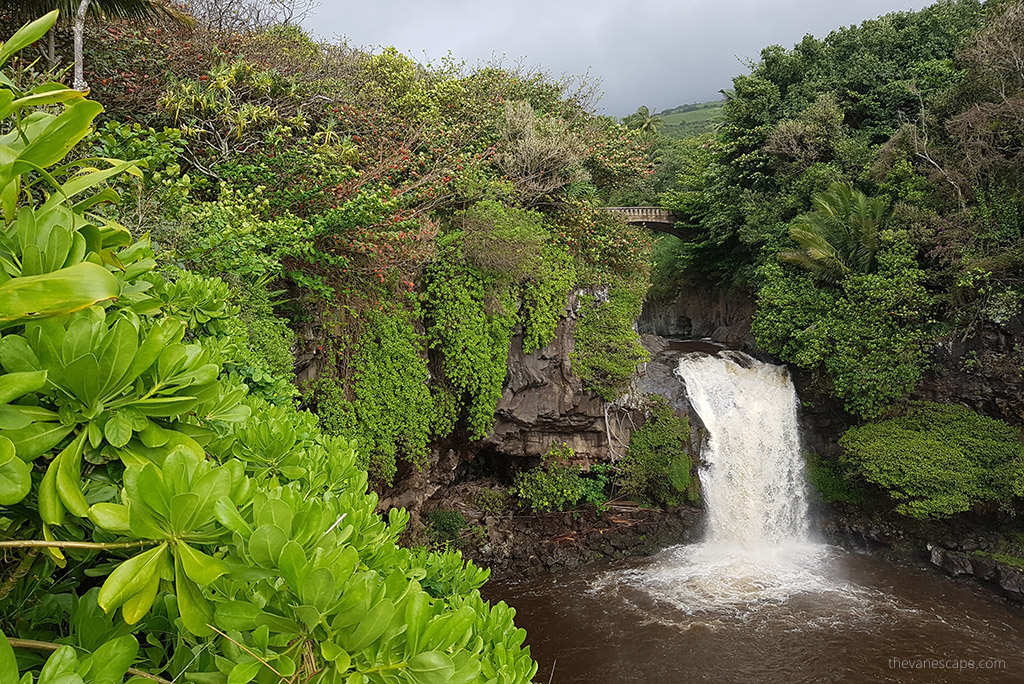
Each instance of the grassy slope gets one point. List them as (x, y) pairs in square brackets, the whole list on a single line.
[(706, 111)]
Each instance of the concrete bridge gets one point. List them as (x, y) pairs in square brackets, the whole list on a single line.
[(653, 218)]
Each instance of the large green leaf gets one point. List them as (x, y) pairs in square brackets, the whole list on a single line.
[(53, 294), (432, 667), (15, 475), (15, 385), (110, 517), (27, 35), (16, 417), (48, 97), (89, 180), (196, 612), (37, 439), (228, 516), (61, 663), (69, 477), (237, 615), (200, 567), (130, 578), (112, 660), (266, 544), (51, 510), (8, 665), (136, 607), (370, 628), (242, 673), (60, 136)]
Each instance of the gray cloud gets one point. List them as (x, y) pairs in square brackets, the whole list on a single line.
[(658, 53)]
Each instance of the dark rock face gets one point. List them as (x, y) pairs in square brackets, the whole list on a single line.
[(717, 315), (414, 486), (983, 372), (961, 551), (1008, 579), (953, 562), (544, 404)]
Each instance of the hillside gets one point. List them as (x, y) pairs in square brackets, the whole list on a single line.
[(305, 273), (691, 119)]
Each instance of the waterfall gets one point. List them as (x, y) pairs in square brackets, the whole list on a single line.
[(757, 548), (753, 480)]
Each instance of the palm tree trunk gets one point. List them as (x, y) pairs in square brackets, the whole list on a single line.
[(83, 7)]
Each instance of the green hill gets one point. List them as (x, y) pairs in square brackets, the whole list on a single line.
[(691, 119)]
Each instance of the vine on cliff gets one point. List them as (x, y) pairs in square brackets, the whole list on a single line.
[(608, 351), (545, 297), (470, 320), (389, 408)]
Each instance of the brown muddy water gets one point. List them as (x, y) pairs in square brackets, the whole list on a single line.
[(760, 600), (814, 614)]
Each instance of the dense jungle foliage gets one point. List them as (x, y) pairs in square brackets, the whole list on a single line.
[(865, 189), (170, 508), (248, 279), (388, 223)]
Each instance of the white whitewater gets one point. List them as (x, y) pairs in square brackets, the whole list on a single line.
[(753, 481), (757, 549)]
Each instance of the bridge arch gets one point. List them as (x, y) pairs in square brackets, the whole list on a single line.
[(655, 219)]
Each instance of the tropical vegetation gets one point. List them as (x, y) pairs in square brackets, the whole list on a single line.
[(249, 281), (864, 190), (169, 511)]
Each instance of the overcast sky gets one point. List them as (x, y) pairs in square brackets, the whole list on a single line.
[(659, 53)]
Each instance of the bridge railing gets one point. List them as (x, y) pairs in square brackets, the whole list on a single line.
[(650, 213)]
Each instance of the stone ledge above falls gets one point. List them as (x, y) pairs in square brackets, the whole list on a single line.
[(714, 314)]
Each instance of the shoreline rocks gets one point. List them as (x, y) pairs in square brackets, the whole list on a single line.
[(525, 545), (961, 551)]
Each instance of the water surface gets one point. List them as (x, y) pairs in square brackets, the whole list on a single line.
[(847, 617), (760, 600)]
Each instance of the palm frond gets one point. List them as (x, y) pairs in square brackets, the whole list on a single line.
[(839, 236), (128, 10)]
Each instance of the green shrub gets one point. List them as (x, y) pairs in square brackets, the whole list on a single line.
[(492, 501), (869, 333), (252, 342), (832, 482), (557, 486), (445, 526), (939, 459), (656, 467), (503, 240)]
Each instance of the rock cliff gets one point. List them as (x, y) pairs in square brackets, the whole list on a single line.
[(718, 315), (543, 403)]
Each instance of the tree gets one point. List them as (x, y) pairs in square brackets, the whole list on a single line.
[(129, 10), (239, 16), (840, 236), (644, 120)]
